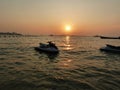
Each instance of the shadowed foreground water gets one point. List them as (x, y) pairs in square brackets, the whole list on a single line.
[(79, 65)]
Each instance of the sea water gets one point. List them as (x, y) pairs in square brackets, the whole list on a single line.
[(80, 65)]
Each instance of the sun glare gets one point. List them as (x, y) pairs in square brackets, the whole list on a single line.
[(68, 28)]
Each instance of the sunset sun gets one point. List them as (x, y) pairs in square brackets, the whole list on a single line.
[(68, 28)]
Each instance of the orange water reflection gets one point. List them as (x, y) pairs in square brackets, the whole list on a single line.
[(65, 64), (67, 43)]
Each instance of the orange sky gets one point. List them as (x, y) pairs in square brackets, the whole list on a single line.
[(86, 17)]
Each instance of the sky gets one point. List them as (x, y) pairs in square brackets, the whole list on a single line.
[(85, 17)]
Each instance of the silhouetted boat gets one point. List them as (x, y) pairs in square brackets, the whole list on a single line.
[(103, 37), (111, 48), (48, 48), (51, 35)]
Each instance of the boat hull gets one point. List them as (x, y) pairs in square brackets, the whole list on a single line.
[(108, 49), (102, 37), (47, 50)]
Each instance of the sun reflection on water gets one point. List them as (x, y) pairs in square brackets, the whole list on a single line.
[(65, 63), (67, 43)]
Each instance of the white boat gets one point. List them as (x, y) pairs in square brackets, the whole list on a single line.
[(111, 48), (48, 48)]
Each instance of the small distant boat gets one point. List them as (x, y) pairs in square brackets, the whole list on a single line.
[(111, 48), (51, 35), (103, 37), (48, 48)]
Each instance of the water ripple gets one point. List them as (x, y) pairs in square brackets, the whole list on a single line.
[(79, 65)]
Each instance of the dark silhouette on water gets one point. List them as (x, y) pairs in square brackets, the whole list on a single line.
[(103, 37), (111, 48), (48, 48), (51, 44), (10, 34)]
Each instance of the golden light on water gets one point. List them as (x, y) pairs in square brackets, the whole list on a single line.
[(67, 44)]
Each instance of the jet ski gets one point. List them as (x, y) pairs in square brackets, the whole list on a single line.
[(48, 48), (111, 48)]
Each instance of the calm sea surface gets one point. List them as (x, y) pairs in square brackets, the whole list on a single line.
[(80, 65)]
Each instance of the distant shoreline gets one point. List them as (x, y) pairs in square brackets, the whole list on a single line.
[(9, 33)]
